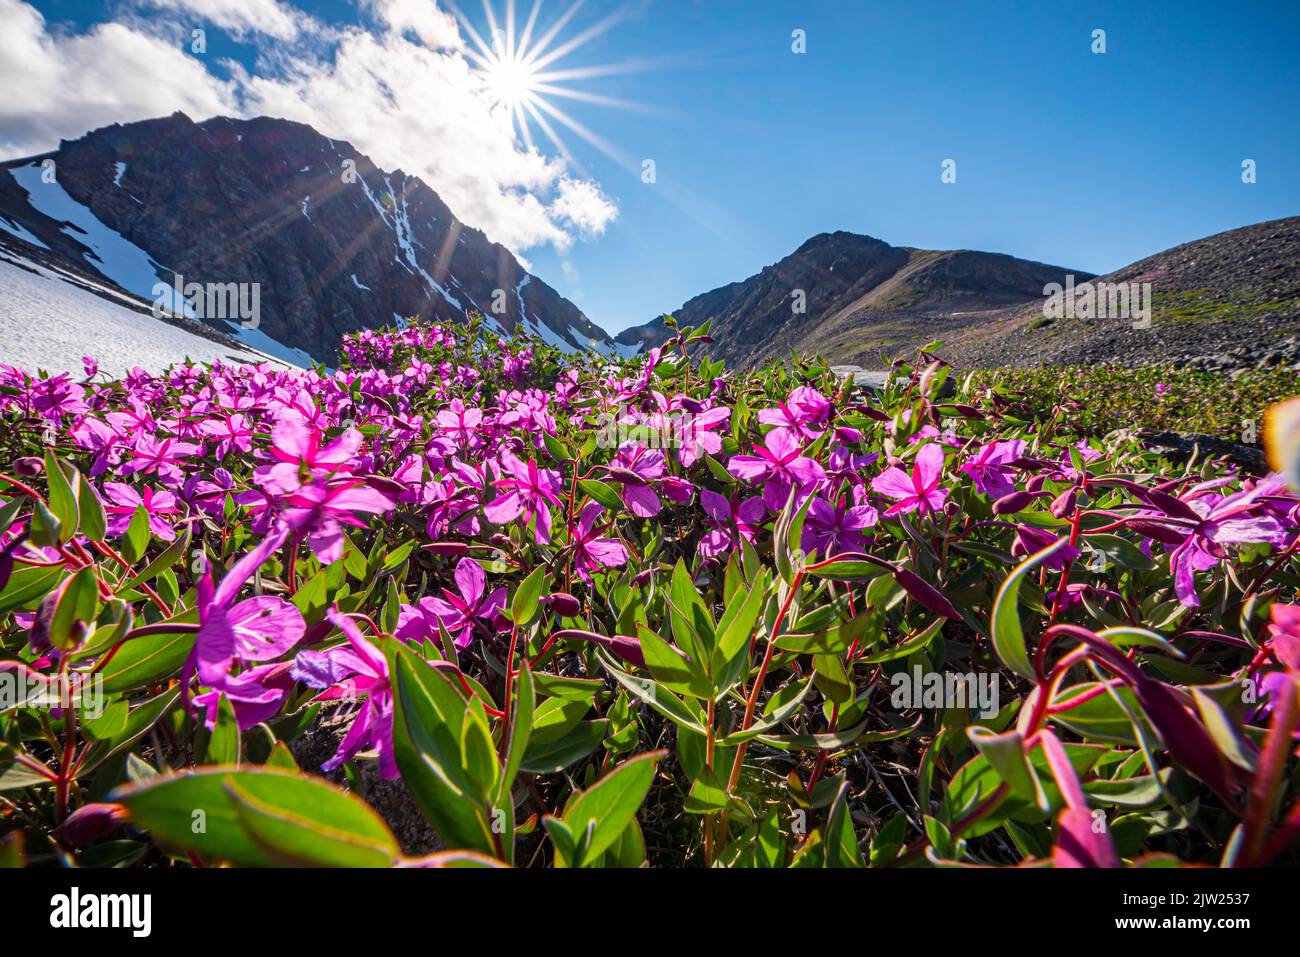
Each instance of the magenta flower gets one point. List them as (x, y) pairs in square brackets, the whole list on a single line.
[(261, 628), (57, 397), (463, 424), (830, 529), (455, 612), (346, 673), (296, 445), (528, 491), (697, 435), (165, 458), (591, 552), (230, 431), (800, 412), (319, 511), (635, 467), (991, 469), (780, 462), (123, 500), (918, 491), (1285, 634), (255, 694), (729, 520), (1219, 522)]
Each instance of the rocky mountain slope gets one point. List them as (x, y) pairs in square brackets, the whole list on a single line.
[(1227, 301), (334, 243), (857, 294), (1230, 300)]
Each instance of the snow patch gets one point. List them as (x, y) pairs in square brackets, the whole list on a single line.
[(111, 254), (118, 170), (357, 282), (259, 340), (16, 229), (73, 322)]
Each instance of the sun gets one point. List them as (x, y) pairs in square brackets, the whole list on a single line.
[(510, 81), (518, 67)]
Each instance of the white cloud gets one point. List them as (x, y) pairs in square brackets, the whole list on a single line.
[(62, 85), (404, 95), (435, 28), (243, 17), (582, 204)]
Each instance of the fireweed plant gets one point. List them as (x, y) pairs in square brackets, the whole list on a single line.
[(595, 613)]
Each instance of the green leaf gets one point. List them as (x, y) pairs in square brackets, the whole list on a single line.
[(655, 695), (139, 721), (523, 605), (259, 817), (27, 586), (44, 527), (1006, 753), (608, 806), (737, 624), (63, 500), (911, 646), (320, 826), (150, 658), (672, 669), (602, 493), (521, 723), (428, 719), (1008, 637), (170, 556), (553, 756), (832, 640), (137, 536), (78, 602), (224, 744), (94, 521)]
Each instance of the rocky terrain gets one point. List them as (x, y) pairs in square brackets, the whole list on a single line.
[(1224, 302), (1228, 301), (841, 294), (335, 243)]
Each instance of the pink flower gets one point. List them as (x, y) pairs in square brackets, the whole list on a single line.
[(804, 408), (296, 445), (345, 673), (320, 510), (528, 491), (781, 463), (829, 529), (123, 500), (165, 458), (635, 467), (991, 467), (454, 612), (918, 491), (261, 628), (591, 552), (730, 520)]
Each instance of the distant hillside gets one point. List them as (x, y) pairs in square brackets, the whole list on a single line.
[(861, 295), (1227, 301)]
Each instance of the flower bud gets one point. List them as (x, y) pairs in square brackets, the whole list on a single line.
[(1063, 505), (563, 604), (29, 466), (1012, 502)]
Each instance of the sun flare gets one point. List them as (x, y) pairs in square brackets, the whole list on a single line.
[(510, 81), (518, 64)]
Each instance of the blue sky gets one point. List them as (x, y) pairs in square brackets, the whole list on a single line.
[(1079, 159)]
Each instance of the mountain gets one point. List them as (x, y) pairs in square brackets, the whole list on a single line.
[(1230, 300), (860, 295), (333, 243)]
